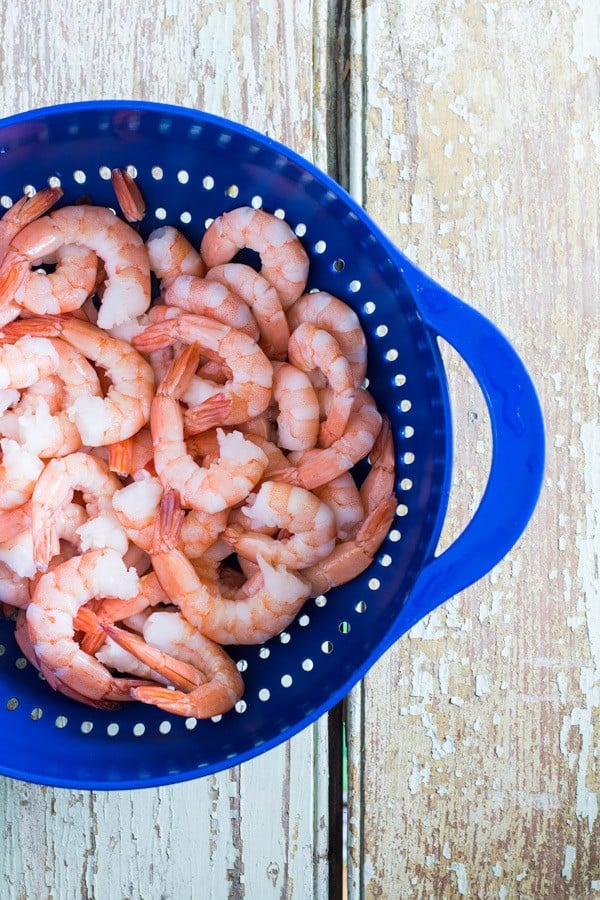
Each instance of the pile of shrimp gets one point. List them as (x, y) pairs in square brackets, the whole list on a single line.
[(177, 451)]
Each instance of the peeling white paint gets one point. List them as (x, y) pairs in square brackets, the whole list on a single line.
[(570, 853)]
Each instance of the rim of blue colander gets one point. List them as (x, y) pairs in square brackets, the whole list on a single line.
[(445, 469)]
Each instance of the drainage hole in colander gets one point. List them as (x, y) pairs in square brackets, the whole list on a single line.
[(406, 484), (354, 286), (399, 379), (300, 229), (407, 432), (256, 202), (320, 247), (12, 704), (391, 355), (241, 706), (2, 649), (183, 176), (216, 718), (344, 627), (286, 681), (264, 653), (386, 560), (185, 217), (112, 729), (54, 181), (29, 189), (208, 223), (242, 665), (360, 607), (327, 647), (21, 662), (405, 406), (139, 729), (41, 676), (164, 727), (303, 621), (36, 713), (156, 172), (160, 213), (232, 191), (374, 584), (279, 213), (208, 182), (381, 330), (408, 458), (131, 171), (402, 509), (264, 694), (307, 664), (61, 721), (86, 727), (79, 176), (285, 637), (394, 535), (104, 173), (321, 600), (338, 265), (191, 723), (369, 307), (6, 201)]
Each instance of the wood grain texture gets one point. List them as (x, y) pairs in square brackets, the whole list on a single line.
[(259, 830), (474, 766)]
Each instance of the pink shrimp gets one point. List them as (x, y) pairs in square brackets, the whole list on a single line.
[(313, 468), (171, 255), (126, 407), (263, 300), (132, 455), (283, 258), (65, 289), (19, 472), (333, 315), (27, 360), (129, 196), (127, 289), (312, 348), (255, 613), (344, 499), (309, 522), (247, 394), (14, 590), (228, 480), (55, 601), (209, 298), (298, 408), (25, 210)]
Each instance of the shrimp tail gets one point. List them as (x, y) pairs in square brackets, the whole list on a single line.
[(30, 208), (211, 412), (120, 457), (177, 379), (46, 544), (212, 699), (155, 337), (47, 327), (170, 521), (94, 637), (379, 483), (180, 674), (128, 195), (12, 275)]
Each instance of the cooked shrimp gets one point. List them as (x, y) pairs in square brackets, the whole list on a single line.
[(283, 258), (65, 289), (24, 211), (254, 615), (246, 395), (19, 472), (209, 298), (129, 196), (312, 348), (350, 558), (126, 407), (27, 360), (298, 408), (17, 551), (379, 483), (167, 670), (263, 300), (14, 590), (308, 520), (169, 633), (313, 468), (171, 255), (56, 486), (127, 290), (133, 454), (344, 499), (333, 315), (54, 603)]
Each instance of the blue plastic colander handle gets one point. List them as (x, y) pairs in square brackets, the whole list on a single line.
[(517, 464)]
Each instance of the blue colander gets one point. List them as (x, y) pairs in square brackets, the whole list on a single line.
[(191, 167)]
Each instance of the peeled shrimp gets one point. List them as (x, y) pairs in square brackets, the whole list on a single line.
[(209, 298), (17, 551), (298, 408), (171, 255), (333, 315), (65, 289), (263, 300), (133, 454), (19, 472), (27, 360), (126, 407), (283, 258), (127, 290), (55, 601), (169, 633), (247, 394), (256, 613), (313, 468), (14, 590), (55, 487), (312, 348), (344, 499)]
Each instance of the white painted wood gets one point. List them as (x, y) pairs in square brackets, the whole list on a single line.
[(259, 830), (474, 763)]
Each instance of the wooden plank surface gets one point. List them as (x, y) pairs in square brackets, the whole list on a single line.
[(259, 830), (474, 764)]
